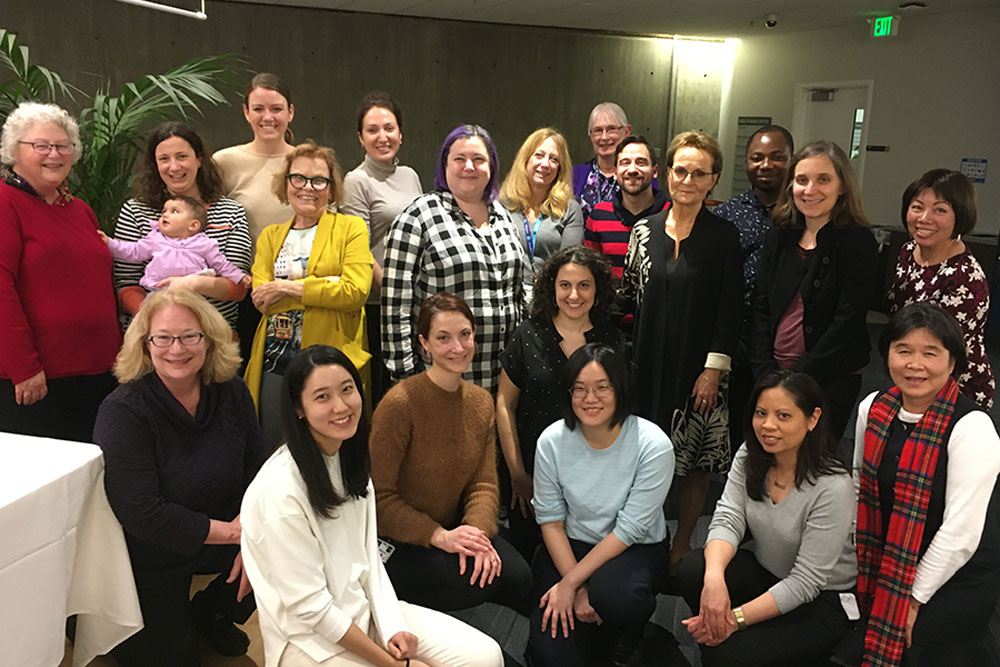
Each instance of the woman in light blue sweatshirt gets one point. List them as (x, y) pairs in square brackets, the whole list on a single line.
[(601, 476)]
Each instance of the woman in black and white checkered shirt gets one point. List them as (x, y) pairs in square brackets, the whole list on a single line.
[(458, 239)]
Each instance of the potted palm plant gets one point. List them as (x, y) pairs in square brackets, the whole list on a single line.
[(113, 127)]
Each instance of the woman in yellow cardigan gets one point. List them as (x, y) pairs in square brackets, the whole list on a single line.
[(311, 277)]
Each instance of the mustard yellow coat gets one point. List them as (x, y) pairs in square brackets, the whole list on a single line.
[(334, 309)]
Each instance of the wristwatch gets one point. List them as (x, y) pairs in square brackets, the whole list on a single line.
[(741, 622)]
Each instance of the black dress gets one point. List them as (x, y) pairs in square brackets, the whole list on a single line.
[(686, 308)]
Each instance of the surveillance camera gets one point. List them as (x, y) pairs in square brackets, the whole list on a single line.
[(771, 21)]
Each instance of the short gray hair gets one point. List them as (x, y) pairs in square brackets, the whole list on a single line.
[(32, 113), (612, 110)]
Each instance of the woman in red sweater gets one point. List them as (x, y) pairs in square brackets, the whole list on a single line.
[(60, 333)]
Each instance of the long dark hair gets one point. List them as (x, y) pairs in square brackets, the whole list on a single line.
[(817, 455), (150, 189), (355, 462)]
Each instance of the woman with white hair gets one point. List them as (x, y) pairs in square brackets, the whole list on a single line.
[(60, 331), (594, 181)]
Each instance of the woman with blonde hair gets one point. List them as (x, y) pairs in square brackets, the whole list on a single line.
[(538, 192), (311, 277), (181, 444)]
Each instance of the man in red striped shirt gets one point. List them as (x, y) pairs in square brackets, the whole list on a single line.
[(610, 223)]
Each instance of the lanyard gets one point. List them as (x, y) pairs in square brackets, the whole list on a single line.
[(531, 233)]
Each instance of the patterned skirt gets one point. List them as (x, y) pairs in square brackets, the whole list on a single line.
[(701, 441)]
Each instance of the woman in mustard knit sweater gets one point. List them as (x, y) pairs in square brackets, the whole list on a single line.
[(311, 277), (433, 454)]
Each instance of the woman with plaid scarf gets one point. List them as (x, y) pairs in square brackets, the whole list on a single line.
[(928, 535)]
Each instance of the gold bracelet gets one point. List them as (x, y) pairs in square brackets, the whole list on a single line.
[(741, 622)]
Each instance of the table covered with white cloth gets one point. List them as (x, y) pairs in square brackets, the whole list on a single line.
[(62, 552)]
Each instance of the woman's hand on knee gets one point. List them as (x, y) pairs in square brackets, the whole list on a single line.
[(402, 645), (486, 567), (558, 604), (716, 607), (464, 540), (582, 607)]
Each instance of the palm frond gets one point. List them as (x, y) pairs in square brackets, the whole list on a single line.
[(113, 127), (29, 81)]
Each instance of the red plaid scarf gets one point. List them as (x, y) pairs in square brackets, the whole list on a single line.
[(886, 571)]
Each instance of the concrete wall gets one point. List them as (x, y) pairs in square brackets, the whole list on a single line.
[(509, 79), (935, 97)]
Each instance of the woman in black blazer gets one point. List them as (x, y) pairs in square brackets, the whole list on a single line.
[(817, 270)]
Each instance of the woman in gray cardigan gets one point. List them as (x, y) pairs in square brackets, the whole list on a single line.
[(538, 191), (787, 599)]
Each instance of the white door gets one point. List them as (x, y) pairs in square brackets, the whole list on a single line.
[(835, 111)]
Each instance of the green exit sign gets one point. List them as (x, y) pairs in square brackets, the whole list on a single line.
[(885, 26)]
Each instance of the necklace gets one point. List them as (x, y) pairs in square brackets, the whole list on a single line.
[(774, 480)]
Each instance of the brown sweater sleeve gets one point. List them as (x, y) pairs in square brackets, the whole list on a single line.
[(389, 442), (481, 496)]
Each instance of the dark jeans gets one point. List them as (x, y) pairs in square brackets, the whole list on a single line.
[(429, 577), (169, 638), (622, 592), (802, 637), (67, 412)]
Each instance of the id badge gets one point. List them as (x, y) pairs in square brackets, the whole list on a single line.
[(385, 550), (850, 605), (282, 327)]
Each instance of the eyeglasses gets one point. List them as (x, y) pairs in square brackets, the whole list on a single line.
[(44, 147), (299, 181), (681, 174), (186, 339), (596, 132), (602, 391)]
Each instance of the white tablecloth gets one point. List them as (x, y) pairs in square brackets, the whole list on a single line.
[(62, 552)]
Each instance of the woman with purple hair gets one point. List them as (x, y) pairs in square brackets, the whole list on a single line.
[(456, 239)]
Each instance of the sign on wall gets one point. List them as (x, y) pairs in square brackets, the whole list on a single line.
[(974, 168)]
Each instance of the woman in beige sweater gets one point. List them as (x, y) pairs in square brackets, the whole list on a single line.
[(434, 469)]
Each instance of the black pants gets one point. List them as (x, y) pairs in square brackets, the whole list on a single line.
[(67, 412), (802, 637), (740, 387), (841, 394), (951, 629), (622, 592), (247, 319), (168, 637), (429, 577), (379, 373), (525, 534)]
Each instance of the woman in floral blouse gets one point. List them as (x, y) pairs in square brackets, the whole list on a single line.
[(937, 266)]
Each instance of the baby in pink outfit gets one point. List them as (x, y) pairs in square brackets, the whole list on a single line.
[(175, 246)]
